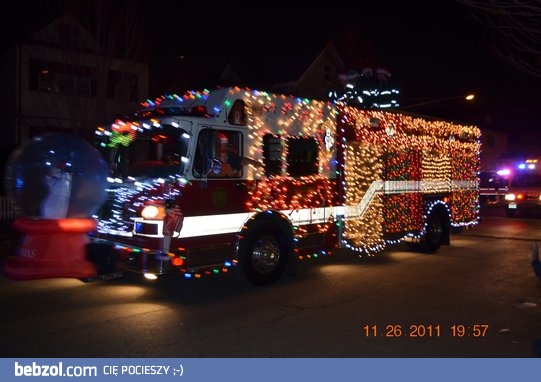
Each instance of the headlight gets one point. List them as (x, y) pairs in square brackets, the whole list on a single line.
[(510, 197), (150, 212)]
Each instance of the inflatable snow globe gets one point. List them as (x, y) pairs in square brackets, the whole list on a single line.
[(58, 181), (57, 176)]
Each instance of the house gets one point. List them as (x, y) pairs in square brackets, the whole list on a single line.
[(321, 76), (61, 79)]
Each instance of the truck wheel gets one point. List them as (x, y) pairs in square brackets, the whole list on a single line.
[(434, 236), (263, 254)]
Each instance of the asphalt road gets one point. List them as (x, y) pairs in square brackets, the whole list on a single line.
[(475, 298)]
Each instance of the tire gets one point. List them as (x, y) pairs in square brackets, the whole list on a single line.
[(263, 253), (435, 233)]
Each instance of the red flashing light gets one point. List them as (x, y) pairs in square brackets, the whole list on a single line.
[(199, 110)]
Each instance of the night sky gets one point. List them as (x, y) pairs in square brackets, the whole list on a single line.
[(433, 49)]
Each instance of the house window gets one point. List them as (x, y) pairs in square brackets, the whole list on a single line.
[(61, 78), (41, 78)]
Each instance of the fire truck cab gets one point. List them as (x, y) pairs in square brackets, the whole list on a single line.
[(209, 180)]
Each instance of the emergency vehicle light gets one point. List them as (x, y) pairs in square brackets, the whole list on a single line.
[(199, 110), (529, 164)]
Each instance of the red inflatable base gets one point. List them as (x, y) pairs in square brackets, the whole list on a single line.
[(52, 248)]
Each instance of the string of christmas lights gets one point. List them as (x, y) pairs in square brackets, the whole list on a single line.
[(381, 166)]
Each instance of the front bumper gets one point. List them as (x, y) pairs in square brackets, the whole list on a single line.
[(524, 206)]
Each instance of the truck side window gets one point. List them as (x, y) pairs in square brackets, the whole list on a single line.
[(272, 154), (218, 154), (302, 156), (202, 153), (237, 115)]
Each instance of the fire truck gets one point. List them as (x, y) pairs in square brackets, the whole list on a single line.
[(235, 177)]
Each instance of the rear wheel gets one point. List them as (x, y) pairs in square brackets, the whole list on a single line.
[(435, 233), (263, 253)]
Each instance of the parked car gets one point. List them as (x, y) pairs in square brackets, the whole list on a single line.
[(524, 194)]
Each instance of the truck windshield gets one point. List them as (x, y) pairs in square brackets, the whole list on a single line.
[(151, 154)]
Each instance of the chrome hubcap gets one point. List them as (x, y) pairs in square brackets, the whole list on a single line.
[(265, 254)]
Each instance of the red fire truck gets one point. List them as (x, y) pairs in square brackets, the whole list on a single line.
[(207, 180)]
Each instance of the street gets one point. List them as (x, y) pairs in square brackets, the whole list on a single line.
[(475, 298)]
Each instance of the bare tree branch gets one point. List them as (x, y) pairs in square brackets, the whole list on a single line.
[(515, 30)]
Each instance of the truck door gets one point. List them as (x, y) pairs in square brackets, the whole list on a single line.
[(218, 173)]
